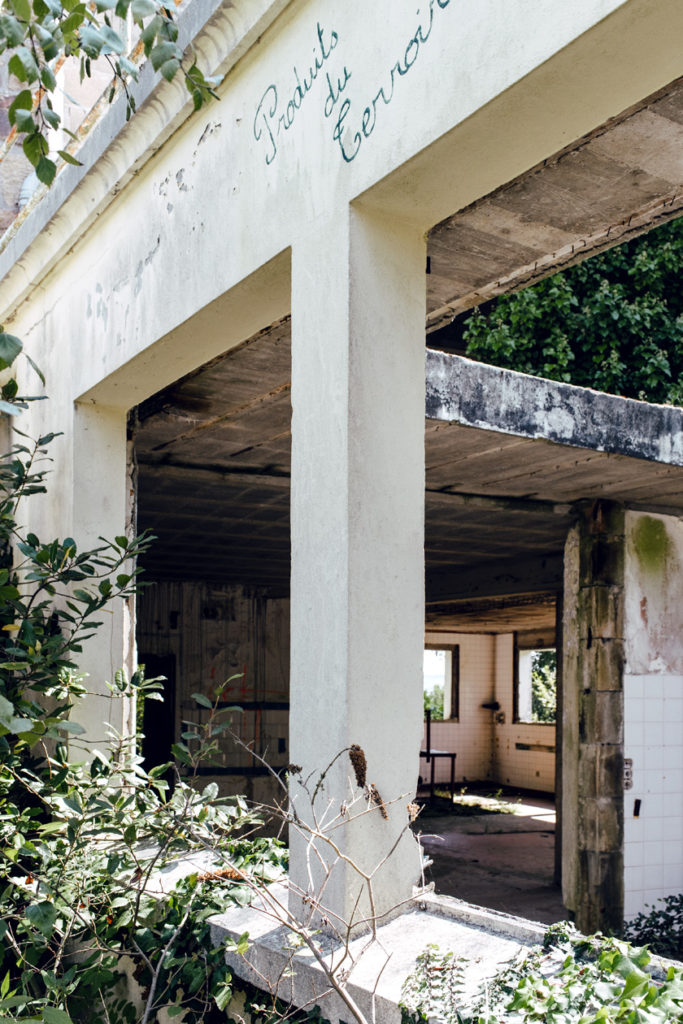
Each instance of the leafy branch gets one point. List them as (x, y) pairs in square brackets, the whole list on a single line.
[(41, 34)]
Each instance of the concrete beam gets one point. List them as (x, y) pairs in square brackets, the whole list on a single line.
[(473, 394), (529, 575)]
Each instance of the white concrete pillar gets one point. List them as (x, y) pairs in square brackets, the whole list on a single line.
[(358, 301), (102, 503)]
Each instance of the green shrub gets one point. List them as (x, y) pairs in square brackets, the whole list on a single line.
[(661, 929), (570, 979), (84, 843)]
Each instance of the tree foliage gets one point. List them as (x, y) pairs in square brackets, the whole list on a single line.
[(38, 33), (544, 686), (434, 701), (613, 322)]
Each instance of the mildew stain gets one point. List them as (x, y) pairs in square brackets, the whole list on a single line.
[(653, 546)]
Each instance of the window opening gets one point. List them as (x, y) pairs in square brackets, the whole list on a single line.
[(441, 674), (536, 685)]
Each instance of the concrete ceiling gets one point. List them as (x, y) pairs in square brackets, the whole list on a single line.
[(507, 457), (622, 179), (213, 450)]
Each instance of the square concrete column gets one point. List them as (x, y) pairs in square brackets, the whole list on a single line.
[(358, 356), (592, 718), (102, 506)]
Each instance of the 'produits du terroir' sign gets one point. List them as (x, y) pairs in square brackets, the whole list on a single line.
[(352, 123)]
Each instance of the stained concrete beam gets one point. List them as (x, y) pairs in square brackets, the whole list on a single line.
[(489, 398)]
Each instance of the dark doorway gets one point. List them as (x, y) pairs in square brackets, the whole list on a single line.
[(158, 723)]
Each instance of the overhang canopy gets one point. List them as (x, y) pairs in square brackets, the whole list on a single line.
[(508, 456)]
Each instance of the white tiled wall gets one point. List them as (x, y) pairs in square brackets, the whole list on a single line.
[(653, 739), (487, 749)]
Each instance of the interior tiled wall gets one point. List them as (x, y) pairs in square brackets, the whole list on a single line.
[(470, 736), (486, 747)]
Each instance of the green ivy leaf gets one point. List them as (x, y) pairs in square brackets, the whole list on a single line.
[(35, 146), (23, 119), (35, 368), (164, 52), (143, 9), (52, 118), (52, 1015), (12, 30), (69, 158), (149, 33), (181, 752), (113, 43), (91, 40), (22, 101), (47, 78), (169, 69)]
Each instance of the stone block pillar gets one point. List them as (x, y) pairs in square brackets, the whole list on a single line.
[(592, 718), (357, 506)]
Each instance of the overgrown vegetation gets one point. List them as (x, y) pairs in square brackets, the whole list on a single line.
[(613, 322), (85, 845), (568, 980), (661, 928)]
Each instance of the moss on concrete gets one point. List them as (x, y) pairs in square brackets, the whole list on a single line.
[(652, 544)]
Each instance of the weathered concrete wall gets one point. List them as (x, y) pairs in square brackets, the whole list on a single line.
[(653, 710), (592, 718), (217, 634)]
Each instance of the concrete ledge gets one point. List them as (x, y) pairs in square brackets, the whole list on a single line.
[(376, 972), (462, 391)]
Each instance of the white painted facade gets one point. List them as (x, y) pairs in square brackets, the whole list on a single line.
[(191, 233)]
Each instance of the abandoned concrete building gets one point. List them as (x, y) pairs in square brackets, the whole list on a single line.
[(232, 310)]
